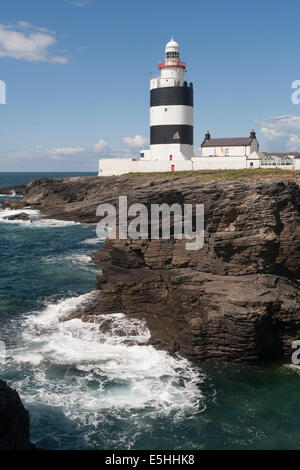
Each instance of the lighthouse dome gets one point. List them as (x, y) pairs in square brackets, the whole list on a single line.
[(172, 46)]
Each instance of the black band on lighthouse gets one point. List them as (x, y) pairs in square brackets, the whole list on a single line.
[(168, 96), (173, 134)]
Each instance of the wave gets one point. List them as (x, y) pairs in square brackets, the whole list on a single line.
[(75, 258), (36, 219), (93, 241), (106, 364), (11, 194), (78, 259)]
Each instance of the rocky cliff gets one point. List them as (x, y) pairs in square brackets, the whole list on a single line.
[(14, 421), (236, 299)]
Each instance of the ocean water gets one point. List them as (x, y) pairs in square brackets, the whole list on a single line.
[(86, 389)]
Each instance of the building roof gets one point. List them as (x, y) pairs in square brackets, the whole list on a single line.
[(282, 154), (172, 44), (227, 142)]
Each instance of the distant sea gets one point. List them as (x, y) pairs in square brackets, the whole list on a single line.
[(12, 179), (86, 389)]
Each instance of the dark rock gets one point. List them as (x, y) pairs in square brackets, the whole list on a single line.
[(236, 299), (17, 190), (14, 421), (12, 204), (22, 216)]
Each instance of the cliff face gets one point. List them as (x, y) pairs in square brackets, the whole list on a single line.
[(236, 299), (14, 421), (77, 198)]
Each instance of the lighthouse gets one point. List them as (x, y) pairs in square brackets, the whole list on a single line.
[(172, 131), (171, 110)]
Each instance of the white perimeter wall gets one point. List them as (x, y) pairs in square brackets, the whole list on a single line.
[(120, 166), (219, 163)]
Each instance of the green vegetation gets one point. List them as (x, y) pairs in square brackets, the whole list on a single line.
[(258, 173)]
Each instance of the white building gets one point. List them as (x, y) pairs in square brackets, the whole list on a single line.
[(228, 153), (229, 147), (171, 122), (285, 161), (172, 133), (171, 110)]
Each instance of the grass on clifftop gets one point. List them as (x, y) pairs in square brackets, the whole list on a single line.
[(258, 173)]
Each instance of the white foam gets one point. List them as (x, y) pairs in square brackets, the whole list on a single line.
[(36, 218), (113, 355), (12, 194), (81, 260), (93, 241), (55, 312), (74, 258)]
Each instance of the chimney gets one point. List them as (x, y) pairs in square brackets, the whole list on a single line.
[(207, 136), (252, 134)]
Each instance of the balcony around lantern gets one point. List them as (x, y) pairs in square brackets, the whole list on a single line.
[(172, 63)]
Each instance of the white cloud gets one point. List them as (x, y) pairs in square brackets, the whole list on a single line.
[(65, 151), (293, 143), (24, 24), (30, 45), (280, 133), (84, 157), (72, 152), (82, 48), (136, 142), (100, 146), (57, 158), (58, 60)]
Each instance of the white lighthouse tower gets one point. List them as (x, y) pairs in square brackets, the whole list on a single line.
[(172, 131), (171, 110)]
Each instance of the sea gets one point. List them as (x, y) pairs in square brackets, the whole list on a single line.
[(85, 389)]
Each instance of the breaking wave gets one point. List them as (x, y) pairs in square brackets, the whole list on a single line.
[(36, 219), (84, 261), (93, 241), (11, 194), (106, 364)]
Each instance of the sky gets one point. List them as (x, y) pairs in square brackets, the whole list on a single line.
[(77, 75)]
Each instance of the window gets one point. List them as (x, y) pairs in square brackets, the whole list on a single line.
[(142, 155), (226, 152), (172, 55), (269, 161), (166, 109), (286, 160), (251, 163)]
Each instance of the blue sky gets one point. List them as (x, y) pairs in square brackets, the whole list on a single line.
[(77, 75)]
